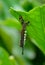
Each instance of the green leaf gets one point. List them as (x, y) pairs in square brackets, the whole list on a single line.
[(7, 29), (6, 39), (11, 41), (11, 22), (11, 38), (36, 29), (19, 13), (4, 57)]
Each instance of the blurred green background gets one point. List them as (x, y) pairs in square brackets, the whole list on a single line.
[(10, 51)]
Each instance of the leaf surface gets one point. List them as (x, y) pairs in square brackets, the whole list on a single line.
[(36, 29)]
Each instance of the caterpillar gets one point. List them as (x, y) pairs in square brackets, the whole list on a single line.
[(23, 33)]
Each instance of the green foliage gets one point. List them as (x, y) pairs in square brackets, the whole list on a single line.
[(36, 29), (10, 29), (4, 57)]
